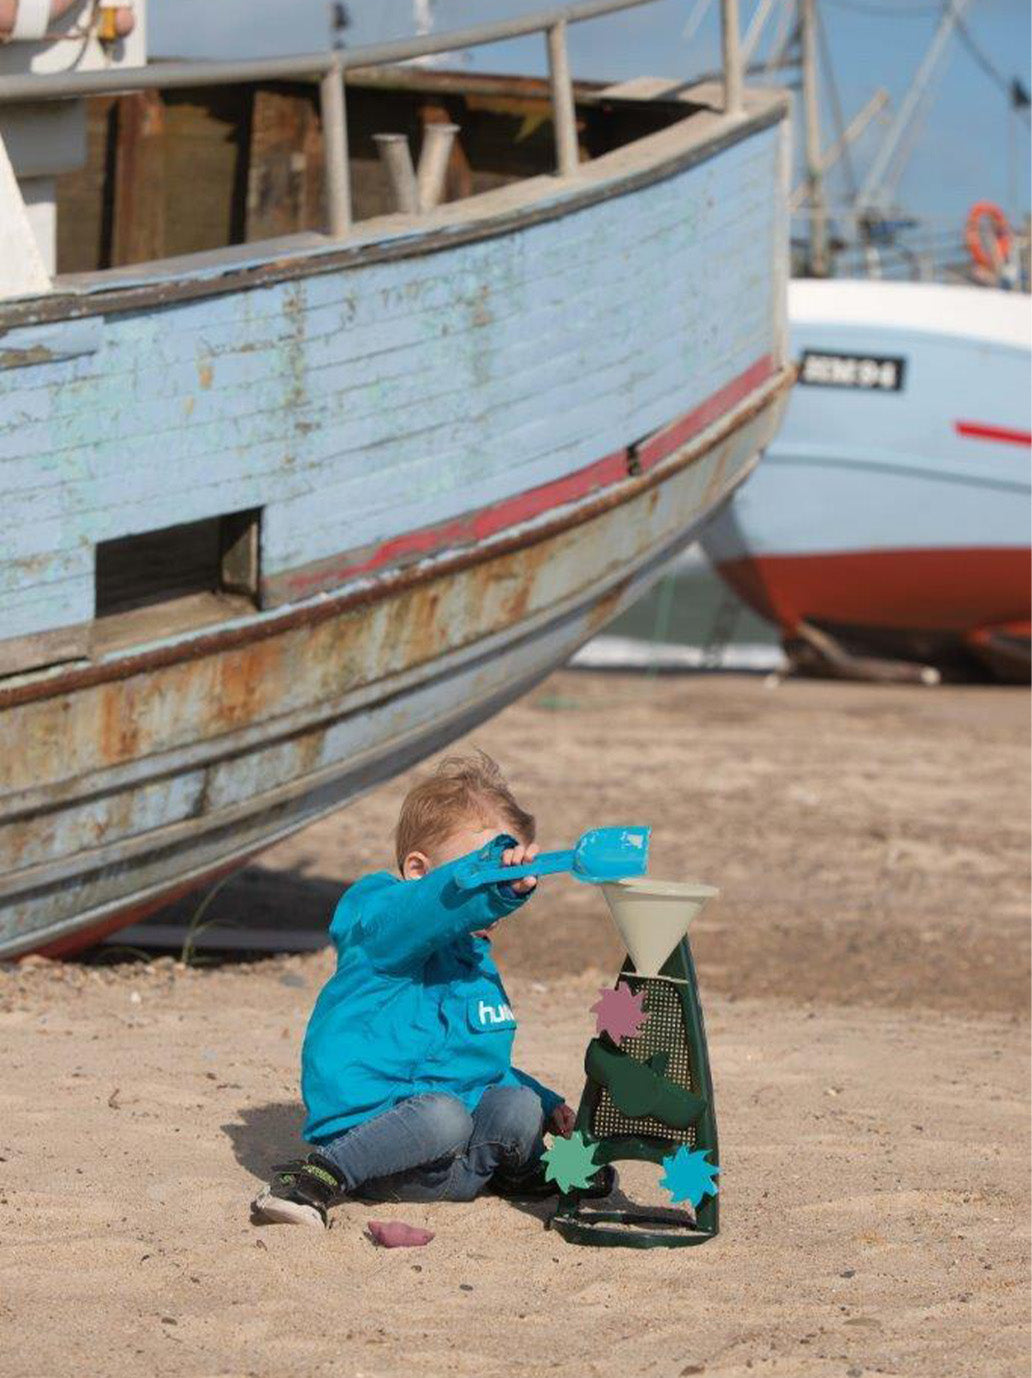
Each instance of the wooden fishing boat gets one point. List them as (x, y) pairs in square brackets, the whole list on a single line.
[(297, 486)]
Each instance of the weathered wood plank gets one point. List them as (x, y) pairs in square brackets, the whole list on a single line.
[(138, 227), (224, 331), (285, 190)]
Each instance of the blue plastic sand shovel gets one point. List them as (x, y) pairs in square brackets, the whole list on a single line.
[(602, 854)]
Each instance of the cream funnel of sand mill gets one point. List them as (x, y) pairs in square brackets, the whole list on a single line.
[(652, 916)]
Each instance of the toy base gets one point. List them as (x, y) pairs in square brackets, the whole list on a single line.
[(609, 1229)]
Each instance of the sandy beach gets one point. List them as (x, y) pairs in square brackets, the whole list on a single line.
[(865, 981)]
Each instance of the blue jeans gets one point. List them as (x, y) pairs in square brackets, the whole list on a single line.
[(430, 1148)]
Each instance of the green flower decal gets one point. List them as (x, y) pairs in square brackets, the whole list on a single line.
[(570, 1162)]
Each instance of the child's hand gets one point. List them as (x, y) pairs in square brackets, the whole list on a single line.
[(516, 856), (561, 1121)]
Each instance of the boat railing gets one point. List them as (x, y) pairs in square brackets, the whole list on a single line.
[(330, 69)]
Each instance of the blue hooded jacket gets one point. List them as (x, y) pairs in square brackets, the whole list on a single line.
[(416, 1004)]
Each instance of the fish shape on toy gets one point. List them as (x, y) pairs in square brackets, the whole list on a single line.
[(640, 1089)]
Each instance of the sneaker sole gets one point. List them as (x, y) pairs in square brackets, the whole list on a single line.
[(274, 1210)]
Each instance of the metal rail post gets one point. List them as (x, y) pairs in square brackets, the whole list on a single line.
[(335, 149), (167, 76), (732, 53), (563, 112)]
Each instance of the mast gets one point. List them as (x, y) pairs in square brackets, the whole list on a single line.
[(818, 264)]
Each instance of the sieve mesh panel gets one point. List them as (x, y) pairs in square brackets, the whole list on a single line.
[(664, 1032)]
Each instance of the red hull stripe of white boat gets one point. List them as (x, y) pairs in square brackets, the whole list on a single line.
[(955, 590), (978, 431), (478, 525)]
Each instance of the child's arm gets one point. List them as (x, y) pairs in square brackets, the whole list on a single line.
[(402, 922), (550, 1100)]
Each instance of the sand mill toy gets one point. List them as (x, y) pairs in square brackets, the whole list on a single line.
[(648, 1094)]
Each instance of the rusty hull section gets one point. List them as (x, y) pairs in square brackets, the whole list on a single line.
[(130, 779)]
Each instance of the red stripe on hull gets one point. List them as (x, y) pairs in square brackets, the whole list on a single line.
[(511, 512), (975, 430), (913, 590), (663, 444)]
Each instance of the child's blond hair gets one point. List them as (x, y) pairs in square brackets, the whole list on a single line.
[(463, 789)]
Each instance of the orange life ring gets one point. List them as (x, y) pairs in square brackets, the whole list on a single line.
[(30, 20), (975, 243)]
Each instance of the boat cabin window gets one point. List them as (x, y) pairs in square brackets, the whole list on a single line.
[(180, 577)]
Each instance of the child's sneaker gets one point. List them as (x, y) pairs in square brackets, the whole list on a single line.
[(299, 1193), (535, 1186)]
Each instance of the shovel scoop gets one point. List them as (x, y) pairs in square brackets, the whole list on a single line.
[(601, 855)]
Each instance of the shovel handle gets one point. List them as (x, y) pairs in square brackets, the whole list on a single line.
[(473, 873)]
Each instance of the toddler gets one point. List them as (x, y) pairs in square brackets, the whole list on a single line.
[(406, 1070)]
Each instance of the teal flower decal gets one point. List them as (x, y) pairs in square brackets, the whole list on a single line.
[(689, 1176)]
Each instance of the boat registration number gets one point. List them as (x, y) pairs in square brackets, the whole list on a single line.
[(868, 372)]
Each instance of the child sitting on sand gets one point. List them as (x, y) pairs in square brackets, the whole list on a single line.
[(406, 1070)]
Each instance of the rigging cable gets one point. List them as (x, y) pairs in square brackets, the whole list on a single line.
[(1016, 94)]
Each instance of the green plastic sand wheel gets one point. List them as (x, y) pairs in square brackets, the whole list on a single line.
[(671, 1046)]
